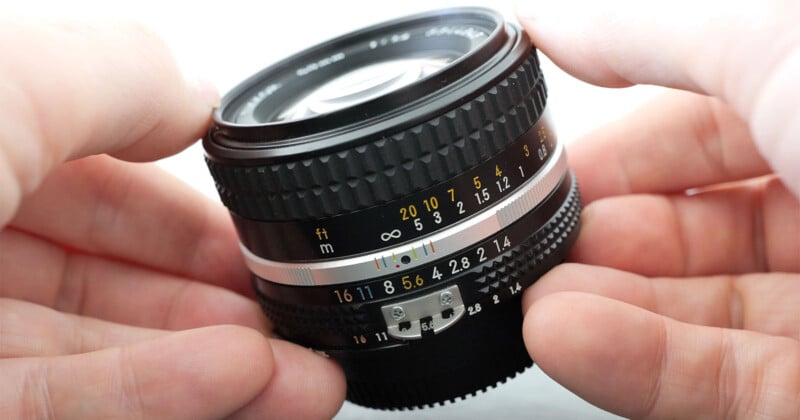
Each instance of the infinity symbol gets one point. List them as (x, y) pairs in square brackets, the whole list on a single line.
[(388, 236)]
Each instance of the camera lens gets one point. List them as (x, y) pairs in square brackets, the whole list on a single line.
[(395, 190)]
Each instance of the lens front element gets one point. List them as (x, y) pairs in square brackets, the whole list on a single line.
[(361, 85)]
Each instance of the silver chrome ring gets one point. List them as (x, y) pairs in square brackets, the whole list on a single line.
[(422, 251)]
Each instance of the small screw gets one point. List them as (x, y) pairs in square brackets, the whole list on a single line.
[(446, 298), (398, 313)]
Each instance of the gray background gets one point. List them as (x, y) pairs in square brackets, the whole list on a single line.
[(225, 42)]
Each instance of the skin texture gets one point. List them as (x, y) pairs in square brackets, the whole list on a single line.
[(122, 292), (682, 297)]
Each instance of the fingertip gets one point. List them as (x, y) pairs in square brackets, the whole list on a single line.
[(596, 280), (150, 107), (634, 233), (550, 282), (305, 385), (607, 352), (206, 93), (179, 119), (93, 87), (221, 367), (558, 29), (538, 323), (597, 181)]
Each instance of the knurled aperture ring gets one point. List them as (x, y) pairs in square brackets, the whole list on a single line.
[(330, 325)]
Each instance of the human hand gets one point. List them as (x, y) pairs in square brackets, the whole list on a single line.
[(102, 260), (686, 301)]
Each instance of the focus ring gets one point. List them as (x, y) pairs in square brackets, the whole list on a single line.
[(390, 167)]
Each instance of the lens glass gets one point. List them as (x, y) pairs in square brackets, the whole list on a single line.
[(323, 82), (363, 84)]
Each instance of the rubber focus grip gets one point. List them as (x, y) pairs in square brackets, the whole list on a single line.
[(389, 167)]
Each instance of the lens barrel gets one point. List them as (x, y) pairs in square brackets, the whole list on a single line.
[(395, 190)]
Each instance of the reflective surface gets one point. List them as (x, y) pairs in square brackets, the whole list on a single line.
[(363, 84)]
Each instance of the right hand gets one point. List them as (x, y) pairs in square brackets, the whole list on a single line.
[(684, 305)]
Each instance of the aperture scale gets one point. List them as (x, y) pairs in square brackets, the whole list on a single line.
[(331, 316)]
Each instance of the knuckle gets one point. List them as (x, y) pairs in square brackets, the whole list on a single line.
[(759, 378), (653, 394), (772, 382)]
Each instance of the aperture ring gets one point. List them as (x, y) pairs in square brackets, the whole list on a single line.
[(389, 167), (328, 317)]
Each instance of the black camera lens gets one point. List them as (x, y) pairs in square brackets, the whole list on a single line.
[(395, 190)]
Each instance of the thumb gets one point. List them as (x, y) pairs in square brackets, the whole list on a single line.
[(640, 364), (203, 373), (746, 53)]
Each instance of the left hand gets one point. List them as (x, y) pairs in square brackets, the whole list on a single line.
[(103, 260)]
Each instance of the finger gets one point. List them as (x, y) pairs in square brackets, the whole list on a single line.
[(678, 141), (205, 373), (754, 227), (89, 88), (641, 365), (35, 270), (304, 385), (30, 330), (139, 213), (745, 52), (765, 303)]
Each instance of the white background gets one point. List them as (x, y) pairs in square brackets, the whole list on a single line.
[(224, 42)]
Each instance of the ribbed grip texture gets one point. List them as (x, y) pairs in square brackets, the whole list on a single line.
[(312, 325), (486, 351), (390, 167), (299, 322), (529, 260)]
